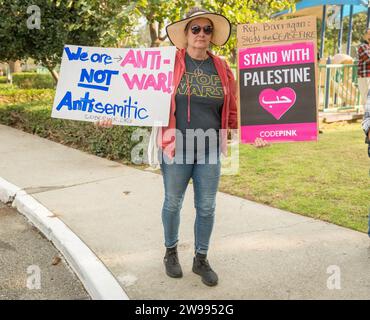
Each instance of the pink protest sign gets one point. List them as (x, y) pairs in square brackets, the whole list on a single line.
[(278, 92)]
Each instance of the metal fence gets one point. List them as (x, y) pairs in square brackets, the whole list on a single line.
[(338, 88)]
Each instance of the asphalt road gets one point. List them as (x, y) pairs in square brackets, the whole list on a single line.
[(30, 266)]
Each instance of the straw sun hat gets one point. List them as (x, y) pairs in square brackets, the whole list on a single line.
[(221, 28)]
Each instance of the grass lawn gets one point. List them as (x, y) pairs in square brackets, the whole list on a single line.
[(327, 180)]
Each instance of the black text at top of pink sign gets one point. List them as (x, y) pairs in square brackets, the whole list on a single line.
[(147, 60), (279, 26)]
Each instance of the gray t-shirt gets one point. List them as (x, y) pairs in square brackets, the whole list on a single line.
[(206, 101), (206, 97)]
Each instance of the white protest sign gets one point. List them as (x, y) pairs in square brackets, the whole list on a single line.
[(130, 86)]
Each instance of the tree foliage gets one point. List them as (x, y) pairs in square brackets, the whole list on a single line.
[(82, 22), (110, 23), (158, 13), (331, 35), (241, 12)]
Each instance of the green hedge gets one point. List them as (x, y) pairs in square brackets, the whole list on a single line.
[(2, 79), (114, 143), (28, 80), (10, 94)]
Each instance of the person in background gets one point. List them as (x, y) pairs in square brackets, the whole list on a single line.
[(363, 70), (366, 128)]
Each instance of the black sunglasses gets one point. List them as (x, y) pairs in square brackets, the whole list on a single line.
[(195, 29)]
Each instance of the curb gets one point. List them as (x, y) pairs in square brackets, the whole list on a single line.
[(94, 275)]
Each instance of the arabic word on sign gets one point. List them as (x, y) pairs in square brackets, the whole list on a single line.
[(277, 102)]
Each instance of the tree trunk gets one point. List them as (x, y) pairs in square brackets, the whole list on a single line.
[(155, 42), (15, 66), (233, 56), (155, 34), (54, 74)]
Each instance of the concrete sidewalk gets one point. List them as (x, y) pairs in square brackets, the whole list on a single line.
[(258, 252)]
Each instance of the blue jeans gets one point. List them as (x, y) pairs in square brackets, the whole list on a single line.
[(176, 178), (368, 230)]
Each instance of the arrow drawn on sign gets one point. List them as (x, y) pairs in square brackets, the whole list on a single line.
[(118, 58)]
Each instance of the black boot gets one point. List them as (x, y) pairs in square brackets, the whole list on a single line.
[(171, 261), (202, 268)]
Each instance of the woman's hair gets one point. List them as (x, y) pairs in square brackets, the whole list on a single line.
[(195, 10), (192, 11)]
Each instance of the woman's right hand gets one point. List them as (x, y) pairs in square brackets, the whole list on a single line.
[(104, 123), (260, 143)]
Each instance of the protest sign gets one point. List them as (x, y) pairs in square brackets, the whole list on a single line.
[(130, 86), (277, 81), (275, 32)]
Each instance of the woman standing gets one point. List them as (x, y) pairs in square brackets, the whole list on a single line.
[(203, 104)]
